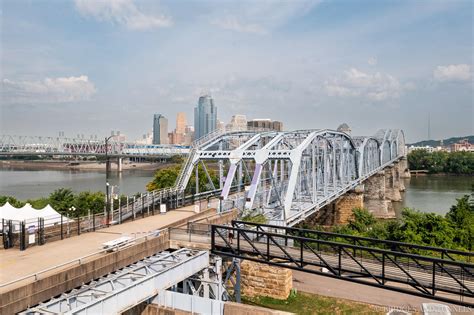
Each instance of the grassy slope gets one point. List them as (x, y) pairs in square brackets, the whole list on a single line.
[(306, 303)]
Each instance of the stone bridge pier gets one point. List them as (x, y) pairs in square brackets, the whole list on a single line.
[(376, 195)]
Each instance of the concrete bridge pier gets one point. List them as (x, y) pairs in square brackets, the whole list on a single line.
[(375, 200), (119, 164), (392, 184)]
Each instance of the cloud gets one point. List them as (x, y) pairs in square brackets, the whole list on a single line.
[(259, 17), (372, 61), (231, 23), (57, 90), (375, 87), (122, 12), (452, 73)]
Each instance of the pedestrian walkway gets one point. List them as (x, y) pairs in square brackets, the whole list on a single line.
[(15, 264)]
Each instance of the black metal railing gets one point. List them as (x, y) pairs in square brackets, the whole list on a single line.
[(431, 277), (402, 247)]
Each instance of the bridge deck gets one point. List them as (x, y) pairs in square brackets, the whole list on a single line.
[(15, 264)]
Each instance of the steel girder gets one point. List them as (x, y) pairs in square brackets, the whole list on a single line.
[(123, 289), (295, 173)]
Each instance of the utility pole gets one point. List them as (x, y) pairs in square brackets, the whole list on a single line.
[(107, 185)]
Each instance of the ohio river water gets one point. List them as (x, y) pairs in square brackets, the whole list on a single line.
[(425, 193)]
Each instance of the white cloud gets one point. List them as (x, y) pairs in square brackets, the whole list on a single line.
[(231, 23), (451, 73), (123, 12), (259, 17), (57, 90), (372, 61), (376, 87)]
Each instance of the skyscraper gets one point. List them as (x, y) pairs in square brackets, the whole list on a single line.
[(180, 123), (205, 116), (160, 129)]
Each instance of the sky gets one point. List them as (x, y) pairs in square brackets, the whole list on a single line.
[(92, 66)]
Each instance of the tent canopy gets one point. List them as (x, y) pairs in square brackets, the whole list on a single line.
[(27, 212)]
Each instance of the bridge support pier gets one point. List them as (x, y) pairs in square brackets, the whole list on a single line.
[(375, 200), (392, 183), (345, 205), (119, 164)]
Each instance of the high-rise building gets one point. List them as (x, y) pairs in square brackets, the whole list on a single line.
[(265, 124), (160, 129), (180, 123), (205, 116), (238, 122)]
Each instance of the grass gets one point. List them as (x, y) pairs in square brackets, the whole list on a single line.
[(306, 303)]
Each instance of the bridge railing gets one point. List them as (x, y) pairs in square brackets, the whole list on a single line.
[(395, 246), (434, 278)]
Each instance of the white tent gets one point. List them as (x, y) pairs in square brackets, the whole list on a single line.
[(28, 213)]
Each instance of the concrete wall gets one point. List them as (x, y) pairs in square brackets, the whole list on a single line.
[(264, 280)]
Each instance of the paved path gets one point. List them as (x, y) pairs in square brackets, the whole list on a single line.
[(15, 264), (386, 299)]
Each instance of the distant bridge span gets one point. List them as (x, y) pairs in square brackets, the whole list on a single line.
[(38, 145)]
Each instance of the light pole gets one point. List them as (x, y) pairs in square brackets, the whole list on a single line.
[(71, 211), (107, 185)]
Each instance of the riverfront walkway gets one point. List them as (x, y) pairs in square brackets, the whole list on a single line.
[(15, 264)]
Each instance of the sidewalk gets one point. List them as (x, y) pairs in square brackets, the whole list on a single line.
[(15, 264)]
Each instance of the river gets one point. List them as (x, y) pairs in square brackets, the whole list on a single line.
[(425, 193)]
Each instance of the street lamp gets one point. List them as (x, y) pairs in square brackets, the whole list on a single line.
[(107, 185), (71, 211)]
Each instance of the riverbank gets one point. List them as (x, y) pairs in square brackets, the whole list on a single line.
[(78, 165)]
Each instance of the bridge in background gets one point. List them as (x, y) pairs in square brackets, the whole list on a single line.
[(38, 145)]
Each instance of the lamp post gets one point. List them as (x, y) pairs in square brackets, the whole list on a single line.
[(107, 185), (71, 211)]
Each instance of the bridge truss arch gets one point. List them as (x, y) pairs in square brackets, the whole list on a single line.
[(290, 175)]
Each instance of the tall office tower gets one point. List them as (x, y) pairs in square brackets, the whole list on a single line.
[(238, 122), (205, 116), (180, 123), (160, 129), (178, 134)]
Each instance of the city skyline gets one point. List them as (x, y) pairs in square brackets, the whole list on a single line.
[(409, 60)]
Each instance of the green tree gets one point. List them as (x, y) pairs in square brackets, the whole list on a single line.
[(164, 178), (86, 200), (436, 161), (461, 216), (418, 159), (38, 203), (362, 221), (11, 200), (62, 199)]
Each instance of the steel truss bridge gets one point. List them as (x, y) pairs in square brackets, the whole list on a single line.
[(435, 273), (38, 145), (288, 175)]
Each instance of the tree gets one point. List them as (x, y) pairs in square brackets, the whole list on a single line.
[(11, 200), (461, 216), (62, 199), (86, 200), (417, 159), (164, 178), (362, 221)]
